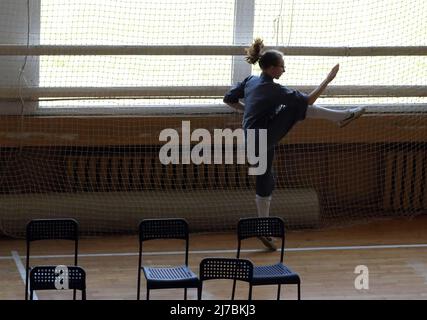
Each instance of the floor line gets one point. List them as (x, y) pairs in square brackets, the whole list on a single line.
[(232, 251), (21, 270)]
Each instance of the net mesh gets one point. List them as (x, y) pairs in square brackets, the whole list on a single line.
[(97, 159)]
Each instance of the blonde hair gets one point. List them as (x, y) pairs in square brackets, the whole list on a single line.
[(255, 53)]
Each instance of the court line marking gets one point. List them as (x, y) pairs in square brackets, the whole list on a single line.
[(232, 251), (21, 270)]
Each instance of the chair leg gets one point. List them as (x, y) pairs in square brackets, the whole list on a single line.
[(278, 292), (138, 289), (148, 294), (234, 289), (299, 291), (26, 283), (74, 294), (199, 292), (31, 294), (27, 271), (84, 294), (250, 292), (185, 293)]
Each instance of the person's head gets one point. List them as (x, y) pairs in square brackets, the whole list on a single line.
[(270, 61)]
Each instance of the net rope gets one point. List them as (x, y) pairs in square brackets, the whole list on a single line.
[(96, 158)]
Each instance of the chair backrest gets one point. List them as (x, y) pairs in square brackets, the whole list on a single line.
[(258, 227), (153, 229), (52, 229), (226, 268), (58, 278), (261, 227)]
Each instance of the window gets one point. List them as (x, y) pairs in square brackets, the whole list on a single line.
[(162, 22), (336, 23), (302, 23)]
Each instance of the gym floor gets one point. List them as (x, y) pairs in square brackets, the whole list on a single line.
[(393, 250)]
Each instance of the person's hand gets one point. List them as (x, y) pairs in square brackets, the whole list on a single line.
[(333, 73)]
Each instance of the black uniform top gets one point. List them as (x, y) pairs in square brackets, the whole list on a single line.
[(262, 97)]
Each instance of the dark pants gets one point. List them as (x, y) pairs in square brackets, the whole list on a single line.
[(277, 127)]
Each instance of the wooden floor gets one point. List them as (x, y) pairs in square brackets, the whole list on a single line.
[(325, 259)]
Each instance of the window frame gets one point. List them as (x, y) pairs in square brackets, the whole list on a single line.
[(244, 23)]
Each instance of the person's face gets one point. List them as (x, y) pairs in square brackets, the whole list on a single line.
[(277, 71)]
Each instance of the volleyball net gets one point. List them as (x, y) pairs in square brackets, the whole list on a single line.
[(86, 88)]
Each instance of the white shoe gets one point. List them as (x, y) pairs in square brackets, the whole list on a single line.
[(268, 243), (355, 113)]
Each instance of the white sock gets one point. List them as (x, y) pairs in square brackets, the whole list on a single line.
[(263, 206), (316, 112)]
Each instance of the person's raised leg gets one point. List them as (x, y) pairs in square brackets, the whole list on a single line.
[(341, 117), (284, 120)]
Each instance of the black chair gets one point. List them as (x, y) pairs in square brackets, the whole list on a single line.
[(57, 278), (173, 277), (51, 229), (278, 273), (226, 268)]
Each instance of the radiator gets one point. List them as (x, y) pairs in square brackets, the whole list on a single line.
[(145, 172), (405, 181)]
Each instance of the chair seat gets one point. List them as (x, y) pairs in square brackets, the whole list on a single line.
[(170, 277), (274, 274)]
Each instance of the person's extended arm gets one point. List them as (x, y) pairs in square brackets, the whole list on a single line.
[(319, 90), (236, 93)]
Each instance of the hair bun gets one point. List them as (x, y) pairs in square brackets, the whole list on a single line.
[(254, 52)]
